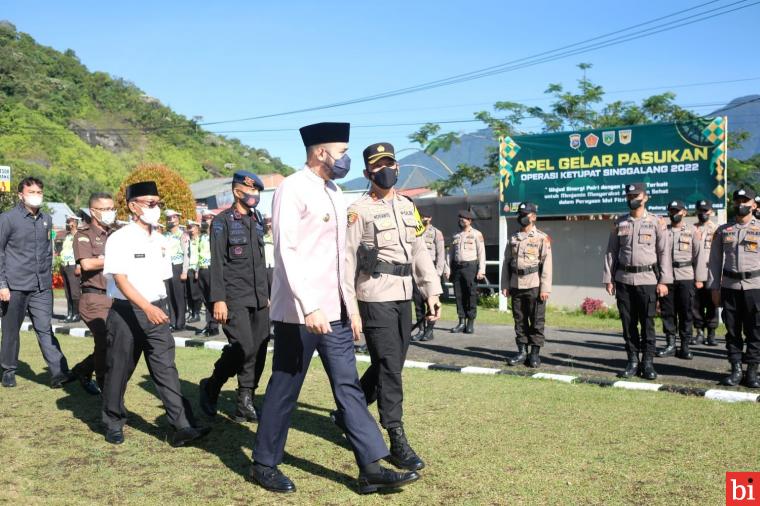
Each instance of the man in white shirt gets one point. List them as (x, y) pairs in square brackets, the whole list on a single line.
[(136, 265)]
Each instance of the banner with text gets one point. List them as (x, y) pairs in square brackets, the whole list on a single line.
[(584, 172)]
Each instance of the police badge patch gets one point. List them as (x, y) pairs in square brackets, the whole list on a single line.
[(575, 141), (352, 217)]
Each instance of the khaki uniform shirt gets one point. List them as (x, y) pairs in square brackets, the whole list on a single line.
[(390, 226), (735, 248), (686, 242), (528, 251), (468, 246), (638, 242), (434, 241)]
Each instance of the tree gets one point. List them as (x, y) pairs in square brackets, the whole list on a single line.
[(174, 192)]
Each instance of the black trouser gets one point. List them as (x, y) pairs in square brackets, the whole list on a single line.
[(465, 288), (247, 331), (741, 311), (293, 349), (638, 305), (193, 293), (529, 312), (420, 306), (705, 312), (176, 294), (130, 334), (387, 330), (676, 309), (39, 305), (204, 281), (71, 286)]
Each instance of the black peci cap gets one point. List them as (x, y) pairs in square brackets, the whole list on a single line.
[(322, 133), (141, 189)]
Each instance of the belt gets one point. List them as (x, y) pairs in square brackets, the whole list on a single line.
[(741, 275), (678, 265), (525, 272), (464, 264), (636, 269), (393, 269), (93, 290)]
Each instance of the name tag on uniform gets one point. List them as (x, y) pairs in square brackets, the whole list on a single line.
[(139, 255)]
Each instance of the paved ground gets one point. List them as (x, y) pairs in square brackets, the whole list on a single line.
[(578, 352)]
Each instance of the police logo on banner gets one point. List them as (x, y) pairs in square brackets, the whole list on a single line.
[(608, 138), (575, 141), (625, 136)]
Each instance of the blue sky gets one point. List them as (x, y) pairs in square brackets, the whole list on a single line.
[(226, 60)]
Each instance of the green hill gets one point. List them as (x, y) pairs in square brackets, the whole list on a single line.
[(83, 131)]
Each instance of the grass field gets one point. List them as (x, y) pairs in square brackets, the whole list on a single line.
[(486, 439)]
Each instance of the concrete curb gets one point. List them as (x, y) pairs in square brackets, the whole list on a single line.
[(713, 393)]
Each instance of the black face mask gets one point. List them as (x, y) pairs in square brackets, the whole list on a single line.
[(757, 213), (742, 209), (523, 220), (204, 228), (676, 218), (250, 200), (462, 224), (385, 178), (703, 217), (635, 204), (426, 222)]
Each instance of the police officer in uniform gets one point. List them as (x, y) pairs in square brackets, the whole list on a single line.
[(193, 292), (89, 251), (638, 267), (384, 252), (468, 264), (526, 277), (70, 271), (434, 241), (136, 265), (204, 278), (689, 273), (734, 278), (705, 312), (178, 243), (240, 296)]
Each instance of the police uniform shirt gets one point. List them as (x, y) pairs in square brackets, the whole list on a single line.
[(434, 241), (688, 260), (177, 243), (736, 249), (391, 227), (638, 242), (193, 248), (468, 246), (204, 252), (142, 257), (531, 251), (90, 242), (67, 250)]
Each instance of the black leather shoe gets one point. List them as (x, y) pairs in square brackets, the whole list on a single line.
[(115, 436), (188, 434), (428, 334), (402, 455), (460, 327), (684, 353), (469, 326), (245, 410), (735, 377), (670, 347), (372, 482), (9, 379), (62, 379), (522, 355), (534, 360), (750, 380), (90, 386), (418, 335), (710, 341), (361, 348), (632, 367), (697, 338), (208, 397), (194, 319), (271, 478), (647, 369)]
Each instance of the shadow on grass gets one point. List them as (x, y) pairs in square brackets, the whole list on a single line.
[(24, 371)]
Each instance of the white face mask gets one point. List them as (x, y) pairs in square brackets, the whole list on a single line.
[(151, 215), (33, 200), (107, 217)]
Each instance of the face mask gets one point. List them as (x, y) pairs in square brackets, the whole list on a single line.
[(462, 224), (340, 167), (204, 228), (426, 222), (703, 217), (385, 178), (107, 217), (676, 218), (251, 200), (33, 200), (635, 204), (742, 210), (757, 213), (150, 215), (523, 220)]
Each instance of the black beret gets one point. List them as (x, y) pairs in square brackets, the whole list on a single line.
[(377, 151), (747, 193), (527, 208), (635, 188), (676, 205), (464, 213), (248, 179), (704, 205), (322, 133), (141, 189)]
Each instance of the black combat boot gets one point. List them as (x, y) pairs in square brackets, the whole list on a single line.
[(469, 327), (460, 327), (670, 347), (632, 367), (75, 312), (534, 360), (209, 394), (710, 341), (684, 353), (245, 411), (522, 354), (735, 377), (697, 338), (417, 336), (402, 455), (428, 334), (751, 378), (647, 368)]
